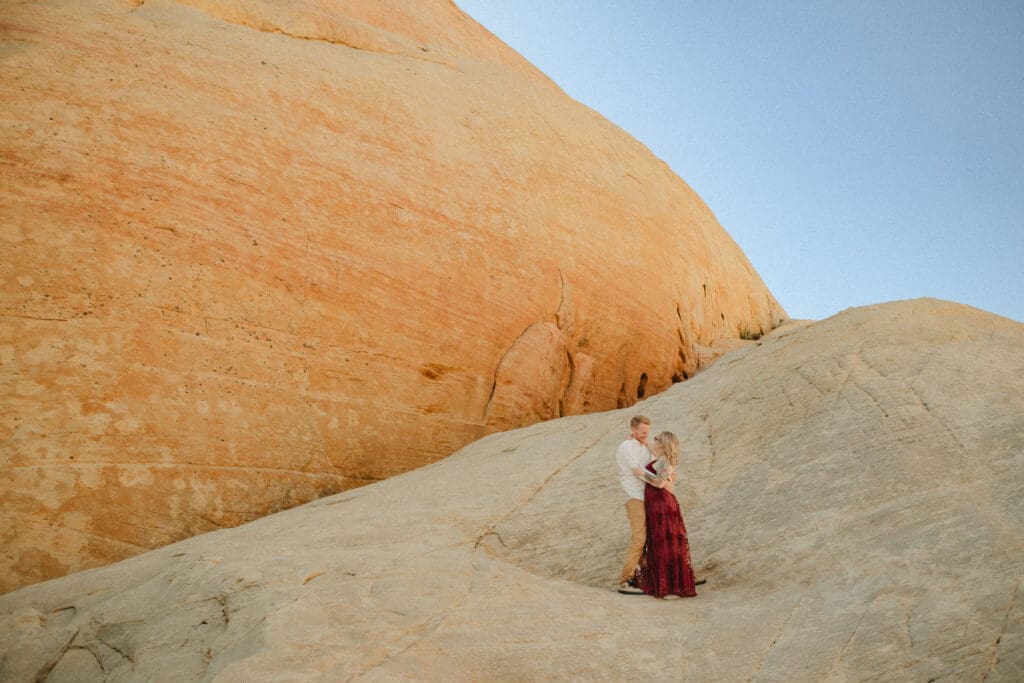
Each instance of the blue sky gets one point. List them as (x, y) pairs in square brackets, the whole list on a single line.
[(857, 152)]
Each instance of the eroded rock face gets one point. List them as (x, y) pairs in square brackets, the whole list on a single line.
[(851, 490), (259, 252)]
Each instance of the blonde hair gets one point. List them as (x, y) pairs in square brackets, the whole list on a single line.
[(670, 446), (639, 420)]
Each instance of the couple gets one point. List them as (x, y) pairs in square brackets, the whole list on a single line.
[(658, 558)]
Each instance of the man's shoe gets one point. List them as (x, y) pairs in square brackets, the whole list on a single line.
[(701, 582), (630, 588)]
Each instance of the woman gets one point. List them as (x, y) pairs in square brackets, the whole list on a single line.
[(665, 568)]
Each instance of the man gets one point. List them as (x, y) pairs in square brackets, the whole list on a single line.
[(633, 453)]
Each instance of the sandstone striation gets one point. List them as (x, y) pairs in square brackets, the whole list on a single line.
[(851, 488), (255, 253)]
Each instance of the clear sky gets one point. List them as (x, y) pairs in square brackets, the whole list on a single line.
[(858, 152)]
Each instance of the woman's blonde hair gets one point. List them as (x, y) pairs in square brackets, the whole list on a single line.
[(670, 446)]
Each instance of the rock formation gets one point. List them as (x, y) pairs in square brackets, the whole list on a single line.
[(851, 488), (259, 252)]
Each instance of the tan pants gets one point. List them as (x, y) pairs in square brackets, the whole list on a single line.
[(638, 530)]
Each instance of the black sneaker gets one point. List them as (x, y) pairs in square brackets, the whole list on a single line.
[(630, 587)]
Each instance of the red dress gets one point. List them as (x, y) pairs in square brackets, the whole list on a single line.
[(665, 567)]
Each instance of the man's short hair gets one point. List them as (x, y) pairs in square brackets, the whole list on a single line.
[(639, 420)]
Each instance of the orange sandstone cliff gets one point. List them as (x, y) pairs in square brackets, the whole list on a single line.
[(255, 253)]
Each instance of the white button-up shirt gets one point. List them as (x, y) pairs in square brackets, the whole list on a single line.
[(632, 454)]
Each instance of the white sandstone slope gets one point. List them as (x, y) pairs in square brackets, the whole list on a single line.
[(852, 489)]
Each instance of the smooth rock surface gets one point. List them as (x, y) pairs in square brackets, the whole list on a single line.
[(851, 488), (259, 252)]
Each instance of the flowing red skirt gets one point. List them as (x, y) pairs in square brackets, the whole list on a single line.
[(665, 567)]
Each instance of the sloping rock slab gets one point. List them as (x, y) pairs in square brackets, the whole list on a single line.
[(851, 487)]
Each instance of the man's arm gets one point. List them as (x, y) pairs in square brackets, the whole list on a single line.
[(622, 457), (640, 457), (644, 475)]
